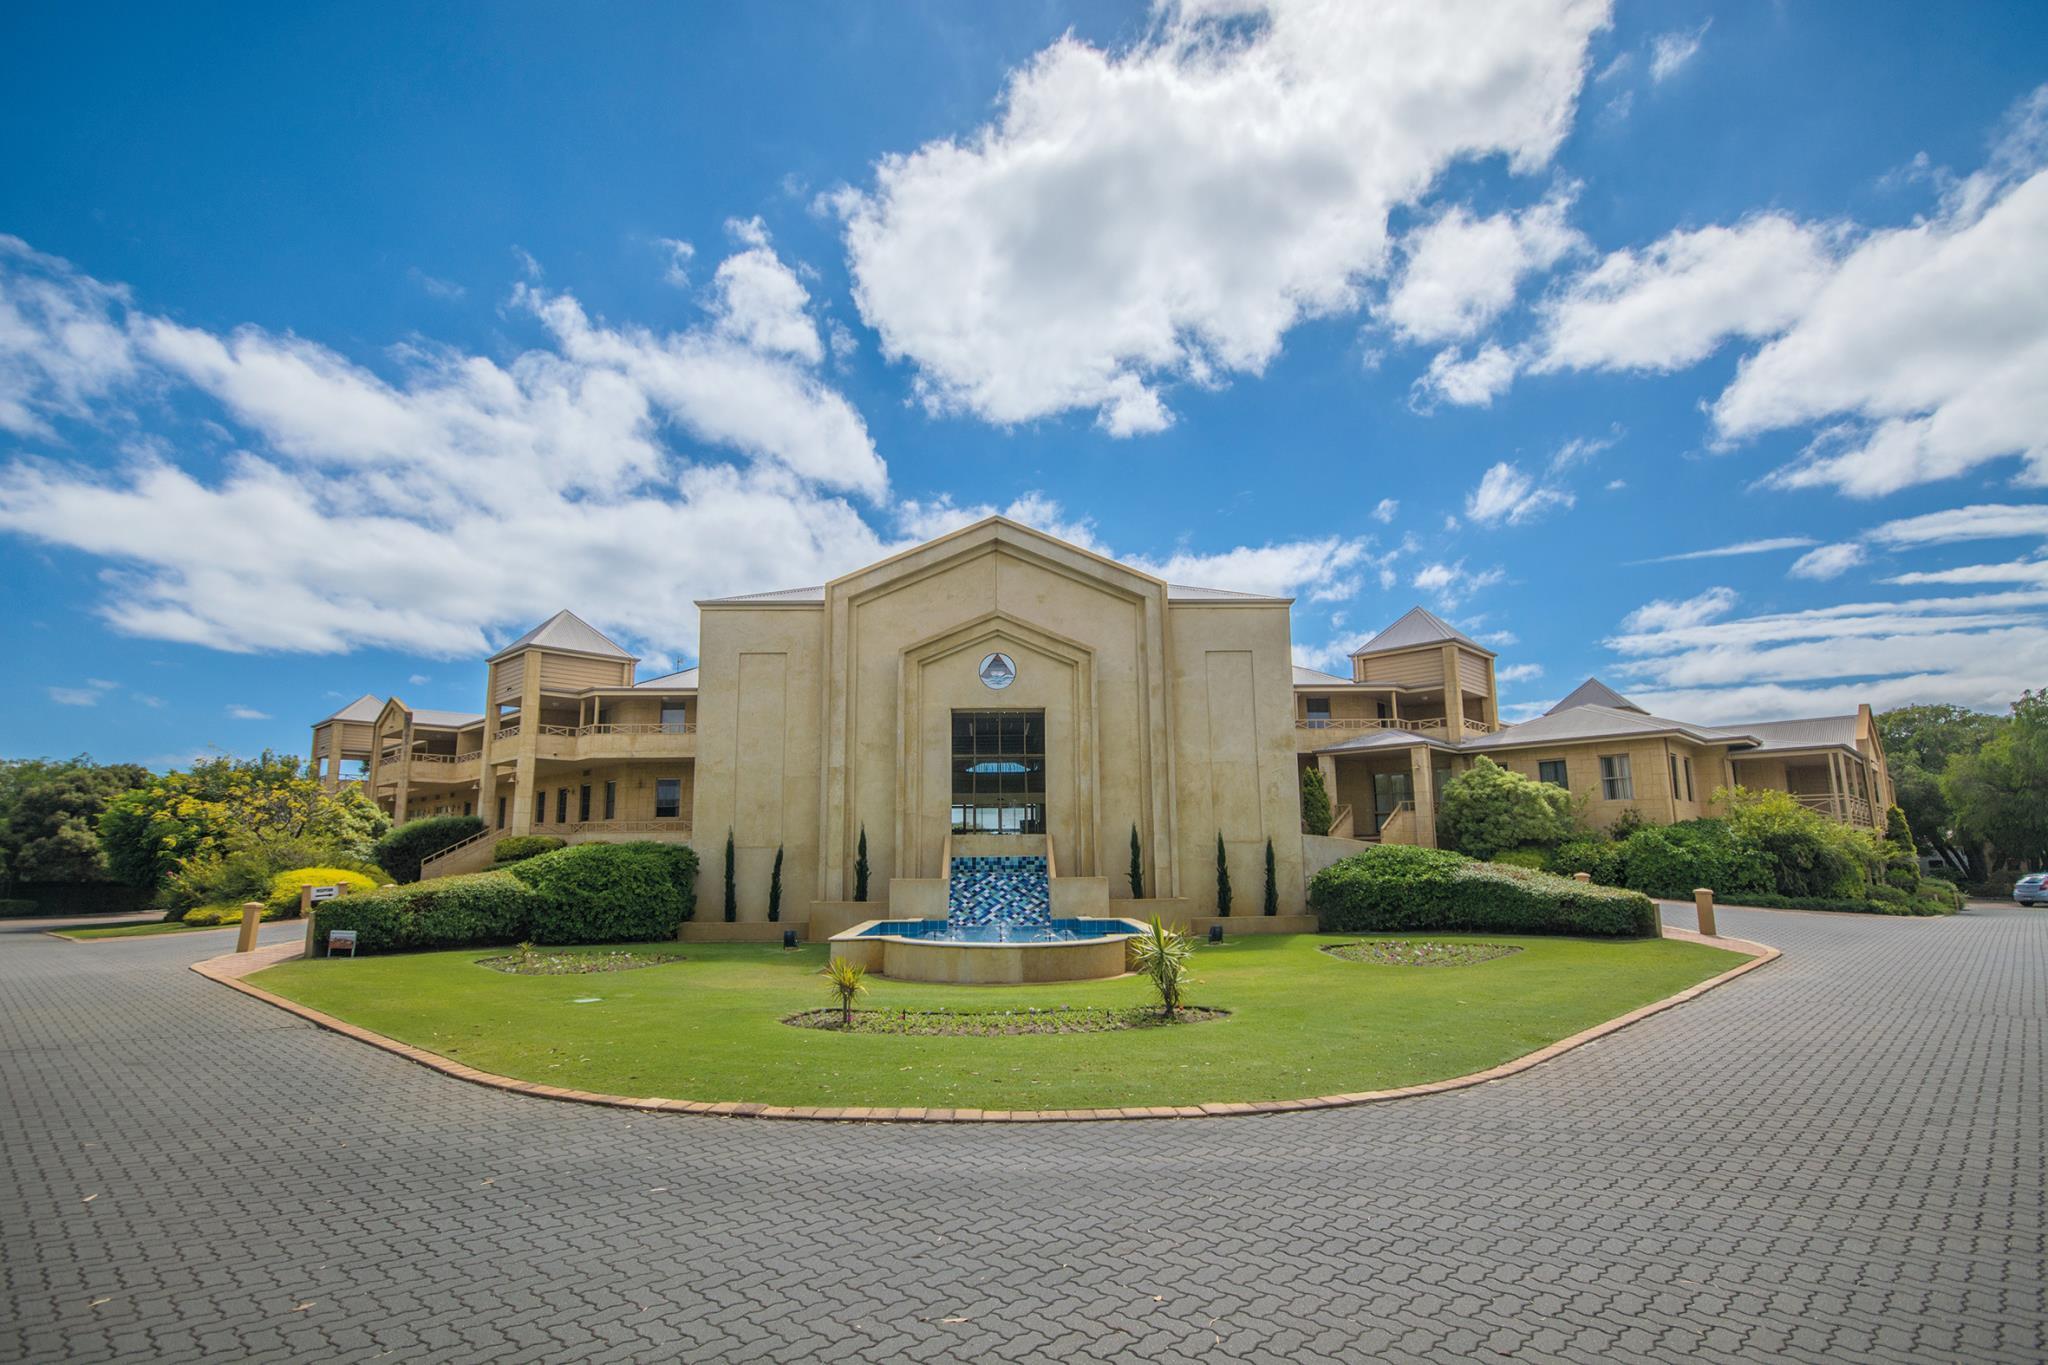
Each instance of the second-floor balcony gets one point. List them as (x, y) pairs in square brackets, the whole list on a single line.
[(1320, 732), (648, 739)]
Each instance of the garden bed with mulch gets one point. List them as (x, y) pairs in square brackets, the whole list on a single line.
[(1419, 952), (999, 1023), (534, 962)]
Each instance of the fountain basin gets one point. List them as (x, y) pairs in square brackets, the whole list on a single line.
[(937, 951)]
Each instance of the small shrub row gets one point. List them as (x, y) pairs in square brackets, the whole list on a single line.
[(14, 909), (588, 893), (1884, 900), (1397, 887), (515, 848)]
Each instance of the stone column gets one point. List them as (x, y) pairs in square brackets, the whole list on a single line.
[(1422, 778), (1454, 697)]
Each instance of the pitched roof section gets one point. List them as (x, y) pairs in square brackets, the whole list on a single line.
[(1390, 738), (1309, 677), (566, 631), (1598, 722), (816, 594), (677, 681), (1419, 627), (1180, 592), (1820, 732), (445, 720), (1593, 692), (365, 708)]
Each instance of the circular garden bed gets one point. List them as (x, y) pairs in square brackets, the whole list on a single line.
[(575, 962), (1420, 952), (999, 1023)]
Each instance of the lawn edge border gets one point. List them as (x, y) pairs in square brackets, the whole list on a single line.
[(230, 969), (116, 938)]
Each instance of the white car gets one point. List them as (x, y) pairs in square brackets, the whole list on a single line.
[(2031, 888)]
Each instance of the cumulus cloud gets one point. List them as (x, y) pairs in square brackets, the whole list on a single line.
[(1828, 561), (1452, 583), (1517, 673), (759, 300), (1466, 382), (1459, 273), (1384, 510), (1166, 213), (1506, 494)]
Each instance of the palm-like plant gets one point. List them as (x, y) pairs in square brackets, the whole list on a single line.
[(1163, 957), (849, 979)]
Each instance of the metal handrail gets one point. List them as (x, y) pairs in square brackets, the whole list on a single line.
[(481, 834)]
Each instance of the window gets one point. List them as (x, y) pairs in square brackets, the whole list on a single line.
[(668, 798), (999, 772), (1552, 770), (1380, 710), (562, 805), (1688, 779), (1675, 786), (673, 713), (611, 800), (465, 808), (540, 808), (583, 802), (1616, 784), (501, 812), (1318, 713)]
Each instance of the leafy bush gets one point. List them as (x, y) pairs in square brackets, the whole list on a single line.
[(1487, 809), (1395, 887), (1674, 860), (16, 909), (447, 912), (514, 848), (283, 899), (1806, 853), (248, 866), (403, 850), (610, 893), (1901, 858), (1315, 802), (1588, 853), (212, 915), (1535, 859), (1899, 903)]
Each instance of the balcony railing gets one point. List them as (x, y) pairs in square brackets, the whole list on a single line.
[(607, 728), (677, 826), (1364, 723), (447, 759), (509, 732), (1854, 809)]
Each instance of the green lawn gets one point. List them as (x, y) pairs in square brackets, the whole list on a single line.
[(709, 1026), (140, 930)]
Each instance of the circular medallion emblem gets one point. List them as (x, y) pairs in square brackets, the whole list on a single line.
[(998, 671)]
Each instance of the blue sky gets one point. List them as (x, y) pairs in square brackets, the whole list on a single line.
[(335, 348)]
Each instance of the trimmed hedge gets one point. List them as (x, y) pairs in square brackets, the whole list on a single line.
[(1399, 887), (88, 898), (447, 912), (13, 909), (611, 893), (1885, 900), (403, 850), (514, 848)]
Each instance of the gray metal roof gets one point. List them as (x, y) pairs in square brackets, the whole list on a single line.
[(682, 678), (1597, 722), (813, 594), (365, 708), (1593, 692), (1390, 738), (444, 720), (566, 631), (1418, 626), (1310, 677), (1180, 592), (1819, 732)]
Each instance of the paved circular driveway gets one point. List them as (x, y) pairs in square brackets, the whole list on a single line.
[(1838, 1156)]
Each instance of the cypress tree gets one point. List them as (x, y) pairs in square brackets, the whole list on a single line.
[(1272, 883), (860, 867), (1315, 802), (775, 886), (1222, 878), (732, 888), (1137, 867)]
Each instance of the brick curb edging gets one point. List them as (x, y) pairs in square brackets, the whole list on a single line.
[(229, 972)]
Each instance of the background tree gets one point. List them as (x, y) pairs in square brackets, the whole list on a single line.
[(1487, 810), (2000, 792), (775, 888), (1272, 883), (860, 868), (1918, 742), (1315, 802), (1137, 873), (1222, 878), (49, 816)]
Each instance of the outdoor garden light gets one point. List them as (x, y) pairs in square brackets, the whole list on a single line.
[(789, 938), (1215, 933)]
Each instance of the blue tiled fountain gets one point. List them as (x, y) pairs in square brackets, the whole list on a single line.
[(998, 891)]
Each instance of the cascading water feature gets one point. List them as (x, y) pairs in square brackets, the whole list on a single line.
[(1000, 893)]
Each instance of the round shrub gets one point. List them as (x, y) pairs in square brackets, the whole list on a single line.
[(515, 848), (403, 850), (1487, 809), (1674, 860), (610, 893), (283, 900)]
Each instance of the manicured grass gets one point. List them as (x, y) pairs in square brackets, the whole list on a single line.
[(140, 930), (1302, 1023)]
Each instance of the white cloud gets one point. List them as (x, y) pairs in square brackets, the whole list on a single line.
[(1516, 673), (434, 287), (1671, 51), (2033, 571), (61, 345), (1506, 494), (1459, 273), (1664, 615), (1581, 449), (1671, 304), (1474, 382), (680, 254), (1383, 511), (1740, 547), (759, 300), (1452, 583), (241, 712), (419, 679), (1168, 212), (1977, 651), (88, 695), (1828, 561), (1980, 521)]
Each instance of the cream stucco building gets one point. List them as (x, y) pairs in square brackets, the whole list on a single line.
[(1000, 690)]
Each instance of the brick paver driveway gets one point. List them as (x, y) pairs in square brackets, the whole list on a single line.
[(1838, 1156)]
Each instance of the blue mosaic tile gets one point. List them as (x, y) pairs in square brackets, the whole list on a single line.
[(998, 890)]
